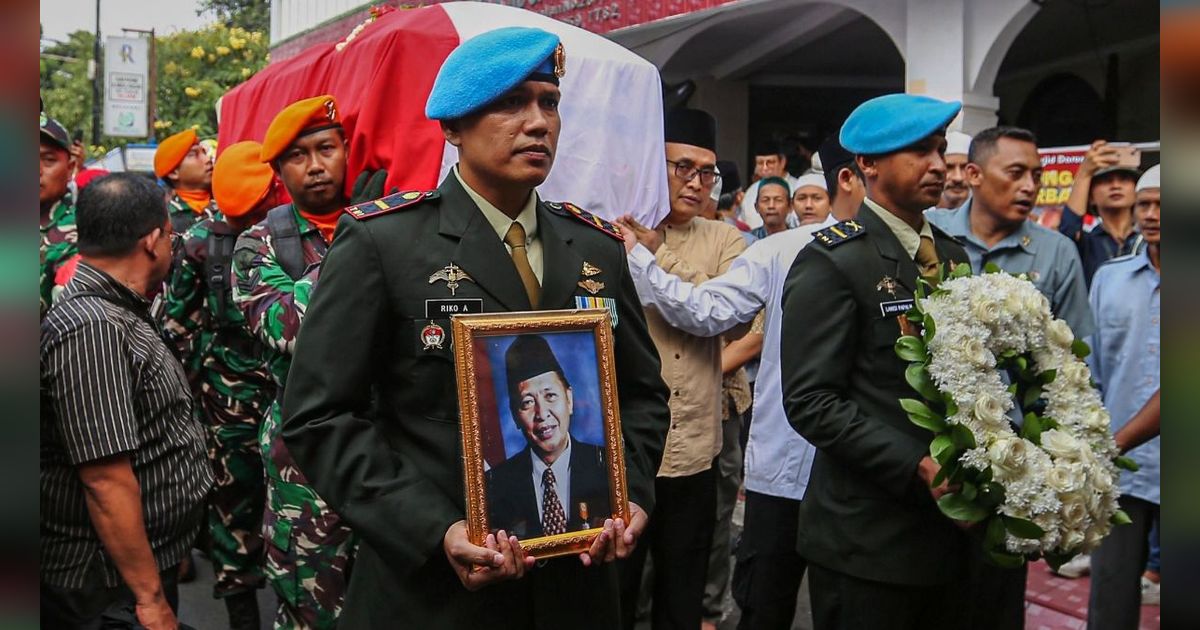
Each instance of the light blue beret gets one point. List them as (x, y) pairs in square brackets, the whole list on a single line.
[(486, 66), (889, 123)]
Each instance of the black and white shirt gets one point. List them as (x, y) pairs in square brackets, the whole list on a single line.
[(109, 385)]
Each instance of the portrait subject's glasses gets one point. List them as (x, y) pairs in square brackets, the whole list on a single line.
[(686, 171)]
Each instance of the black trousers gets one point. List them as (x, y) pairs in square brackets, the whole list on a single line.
[(996, 596), (768, 572), (1116, 596), (844, 602), (97, 607), (679, 537)]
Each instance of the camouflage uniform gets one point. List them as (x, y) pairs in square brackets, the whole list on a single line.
[(57, 247), (309, 549), (182, 215), (234, 390)]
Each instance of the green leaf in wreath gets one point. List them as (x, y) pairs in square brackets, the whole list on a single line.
[(1032, 395), (993, 537), (1031, 428), (969, 491), (1047, 377), (930, 329), (1022, 363), (961, 270), (991, 268), (963, 438), (1012, 389), (921, 415), (945, 472), (991, 494), (912, 349), (1022, 528), (959, 508), (1126, 463), (942, 449), (1049, 423), (1120, 518), (1080, 348), (918, 378), (1005, 560), (951, 406)]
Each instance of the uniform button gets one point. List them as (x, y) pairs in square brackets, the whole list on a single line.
[(676, 393), (677, 354)]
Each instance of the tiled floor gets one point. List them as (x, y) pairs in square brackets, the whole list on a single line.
[(1056, 603)]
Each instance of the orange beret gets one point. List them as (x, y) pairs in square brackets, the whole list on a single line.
[(298, 119), (172, 151), (240, 179)]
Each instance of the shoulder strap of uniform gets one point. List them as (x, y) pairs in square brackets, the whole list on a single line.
[(285, 239), (221, 240), (567, 208), (839, 233), (390, 203)]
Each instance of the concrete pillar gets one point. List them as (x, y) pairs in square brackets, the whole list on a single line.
[(934, 49), (729, 102)]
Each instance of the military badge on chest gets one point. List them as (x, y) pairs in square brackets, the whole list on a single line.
[(433, 336), (592, 285), (895, 307)]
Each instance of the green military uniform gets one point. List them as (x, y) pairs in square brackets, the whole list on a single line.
[(309, 549), (184, 217), (372, 408), (57, 247), (867, 518), (234, 390)]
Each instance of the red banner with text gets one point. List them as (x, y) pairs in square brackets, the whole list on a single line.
[(1058, 175)]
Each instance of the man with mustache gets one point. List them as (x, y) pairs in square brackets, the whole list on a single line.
[(1004, 172), (185, 166), (276, 264), (371, 403), (880, 554), (557, 484), (957, 191), (773, 206)]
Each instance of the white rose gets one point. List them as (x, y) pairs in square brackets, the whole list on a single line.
[(989, 410), (1064, 478), (1101, 481), (1074, 510), (1035, 302), (1092, 538), (1060, 444), (1096, 419), (1093, 502), (1008, 455), (1013, 304), (985, 310), (1073, 539), (1074, 372), (978, 353), (1059, 334)]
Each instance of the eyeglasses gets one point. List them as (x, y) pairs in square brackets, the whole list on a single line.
[(686, 171)]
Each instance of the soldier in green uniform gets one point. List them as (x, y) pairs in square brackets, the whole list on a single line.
[(309, 550), (371, 407), (880, 553), (184, 165), (57, 220), (234, 388)]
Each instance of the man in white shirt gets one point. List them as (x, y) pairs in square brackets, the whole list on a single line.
[(778, 460), (769, 161)]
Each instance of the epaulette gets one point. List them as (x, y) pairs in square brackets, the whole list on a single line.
[(839, 233), (567, 208), (390, 203)]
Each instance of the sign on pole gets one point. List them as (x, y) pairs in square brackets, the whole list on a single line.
[(126, 85)]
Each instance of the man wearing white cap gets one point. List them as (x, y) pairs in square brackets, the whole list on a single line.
[(810, 199), (956, 192)]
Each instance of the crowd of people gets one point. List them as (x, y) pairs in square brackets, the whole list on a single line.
[(227, 371)]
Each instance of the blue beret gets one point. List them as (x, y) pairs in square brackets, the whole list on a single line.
[(889, 123), (486, 66)]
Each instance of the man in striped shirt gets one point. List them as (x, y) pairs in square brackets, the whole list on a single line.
[(123, 468)]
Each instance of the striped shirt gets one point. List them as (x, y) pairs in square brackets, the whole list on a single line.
[(109, 385)]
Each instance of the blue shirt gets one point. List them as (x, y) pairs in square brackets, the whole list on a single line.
[(1048, 258), (1125, 356), (1096, 246)]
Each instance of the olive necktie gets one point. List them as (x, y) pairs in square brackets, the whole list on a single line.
[(515, 238), (927, 261), (554, 520)]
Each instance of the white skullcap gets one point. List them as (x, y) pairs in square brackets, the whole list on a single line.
[(957, 142), (816, 163), (1149, 179), (810, 179)]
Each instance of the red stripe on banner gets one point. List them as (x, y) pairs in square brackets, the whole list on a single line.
[(381, 80)]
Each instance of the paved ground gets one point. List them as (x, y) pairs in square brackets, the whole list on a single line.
[(198, 609)]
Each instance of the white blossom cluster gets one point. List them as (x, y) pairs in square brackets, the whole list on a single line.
[(1067, 486)]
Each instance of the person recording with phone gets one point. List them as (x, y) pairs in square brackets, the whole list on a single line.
[(1106, 180)]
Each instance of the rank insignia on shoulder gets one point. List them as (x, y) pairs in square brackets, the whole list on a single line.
[(567, 208), (390, 203), (839, 233)]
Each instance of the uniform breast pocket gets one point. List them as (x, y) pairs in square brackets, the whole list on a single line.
[(432, 383)]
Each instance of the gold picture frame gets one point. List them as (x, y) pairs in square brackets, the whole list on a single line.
[(478, 341)]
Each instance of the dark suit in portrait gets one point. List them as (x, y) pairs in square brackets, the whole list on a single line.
[(512, 500)]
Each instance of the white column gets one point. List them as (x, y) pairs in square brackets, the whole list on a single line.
[(934, 49)]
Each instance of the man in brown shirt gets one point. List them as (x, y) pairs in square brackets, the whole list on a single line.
[(679, 535)]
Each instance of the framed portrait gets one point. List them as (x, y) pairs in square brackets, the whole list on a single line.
[(543, 455)]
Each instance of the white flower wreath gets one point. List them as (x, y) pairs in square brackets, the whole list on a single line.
[(1048, 490)]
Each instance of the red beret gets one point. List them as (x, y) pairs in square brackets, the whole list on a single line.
[(300, 118), (172, 150), (240, 179)]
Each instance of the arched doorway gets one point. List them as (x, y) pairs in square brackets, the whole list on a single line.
[(1063, 110)]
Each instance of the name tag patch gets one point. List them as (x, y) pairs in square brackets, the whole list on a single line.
[(443, 308), (895, 307)]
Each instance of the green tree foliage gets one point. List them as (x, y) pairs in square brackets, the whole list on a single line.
[(194, 69), (251, 15)]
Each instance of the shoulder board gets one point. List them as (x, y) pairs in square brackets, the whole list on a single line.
[(839, 233), (390, 203), (567, 208)]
